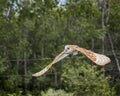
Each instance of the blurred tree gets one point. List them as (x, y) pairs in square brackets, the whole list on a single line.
[(33, 30)]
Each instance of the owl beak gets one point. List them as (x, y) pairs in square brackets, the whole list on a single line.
[(65, 51)]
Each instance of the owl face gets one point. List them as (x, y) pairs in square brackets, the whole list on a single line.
[(68, 49)]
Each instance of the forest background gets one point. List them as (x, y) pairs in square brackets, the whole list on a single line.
[(33, 32)]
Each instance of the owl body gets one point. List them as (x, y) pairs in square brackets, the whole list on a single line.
[(99, 59)]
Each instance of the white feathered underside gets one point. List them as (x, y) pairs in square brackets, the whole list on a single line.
[(60, 58), (40, 72), (101, 59)]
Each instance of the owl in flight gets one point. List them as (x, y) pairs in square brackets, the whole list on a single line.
[(99, 59)]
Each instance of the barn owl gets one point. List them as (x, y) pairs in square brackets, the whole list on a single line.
[(99, 59)]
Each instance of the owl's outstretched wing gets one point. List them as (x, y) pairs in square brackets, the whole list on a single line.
[(59, 57), (99, 59)]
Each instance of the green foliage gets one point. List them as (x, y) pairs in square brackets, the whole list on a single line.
[(18, 94), (117, 86), (53, 92), (3, 3), (3, 66), (114, 15), (114, 25), (85, 80), (49, 92)]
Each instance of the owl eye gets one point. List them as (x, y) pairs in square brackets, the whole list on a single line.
[(68, 48)]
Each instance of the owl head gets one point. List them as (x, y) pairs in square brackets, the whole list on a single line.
[(68, 49)]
